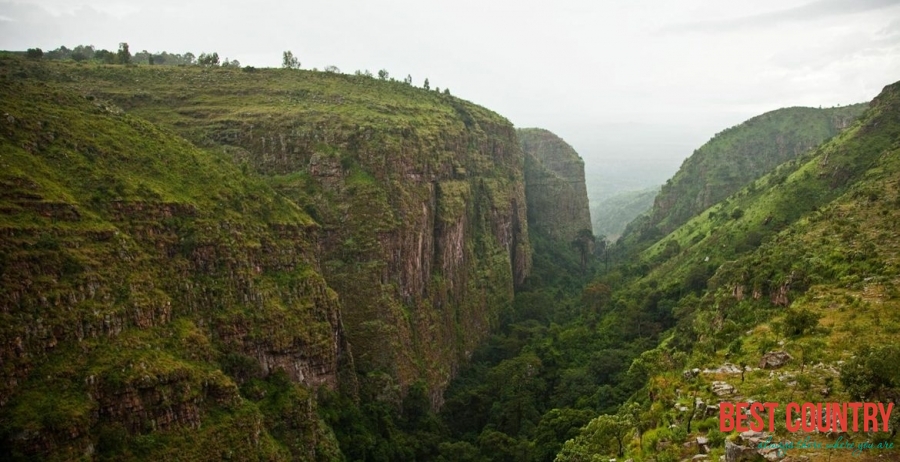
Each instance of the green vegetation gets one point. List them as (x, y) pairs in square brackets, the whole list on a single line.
[(111, 229), (614, 213), (362, 236), (207, 263), (801, 260), (735, 158)]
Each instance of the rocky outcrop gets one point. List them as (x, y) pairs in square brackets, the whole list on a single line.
[(554, 185), (423, 231), (774, 360), (316, 238)]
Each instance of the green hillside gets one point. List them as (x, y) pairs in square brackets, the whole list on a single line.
[(803, 260), (112, 232), (613, 214), (735, 157), (243, 263)]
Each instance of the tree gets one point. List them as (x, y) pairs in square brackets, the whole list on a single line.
[(86, 51), (602, 249), (584, 242), (383, 74), (427, 86), (595, 296), (603, 435), (809, 351), (123, 56), (631, 414), (34, 53), (556, 426), (872, 375), (798, 322), (208, 59), (289, 61), (189, 57), (332, 69), (105, 56), (408, 79)]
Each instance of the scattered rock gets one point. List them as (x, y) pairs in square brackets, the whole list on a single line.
[(774, 359), (737, 452), (771, 454), (753, 438), (700, 457), (722, 388), (690, 374), (702, 440), (727, 368)]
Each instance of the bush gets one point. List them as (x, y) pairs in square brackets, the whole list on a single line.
[(798, 322)]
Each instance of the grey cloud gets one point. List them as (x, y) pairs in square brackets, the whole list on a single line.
[(811, 11)]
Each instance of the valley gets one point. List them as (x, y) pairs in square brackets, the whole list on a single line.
[(225, 262)]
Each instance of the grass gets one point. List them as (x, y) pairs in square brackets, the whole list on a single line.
[(826, 224), (181, 217)]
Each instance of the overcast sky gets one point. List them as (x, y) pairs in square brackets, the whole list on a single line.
[(634, 82)]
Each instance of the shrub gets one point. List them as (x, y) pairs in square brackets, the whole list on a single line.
[(798, 322)]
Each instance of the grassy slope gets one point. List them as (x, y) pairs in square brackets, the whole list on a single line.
[(735, 157), (809, 263), (105, 220)]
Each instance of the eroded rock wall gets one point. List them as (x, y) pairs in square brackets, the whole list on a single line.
[(555, 186)]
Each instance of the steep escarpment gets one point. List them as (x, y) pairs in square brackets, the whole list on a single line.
[(554, 185), (266, 233), (146, 288), (419, 195), (733, 158)]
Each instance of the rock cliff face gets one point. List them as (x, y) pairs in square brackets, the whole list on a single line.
[(555, 188), (309, 230)]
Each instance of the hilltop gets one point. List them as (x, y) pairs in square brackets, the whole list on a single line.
[(735, 157)]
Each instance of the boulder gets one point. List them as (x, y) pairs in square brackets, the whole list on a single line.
[(738, 453), (774, 359), (722, 388)]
